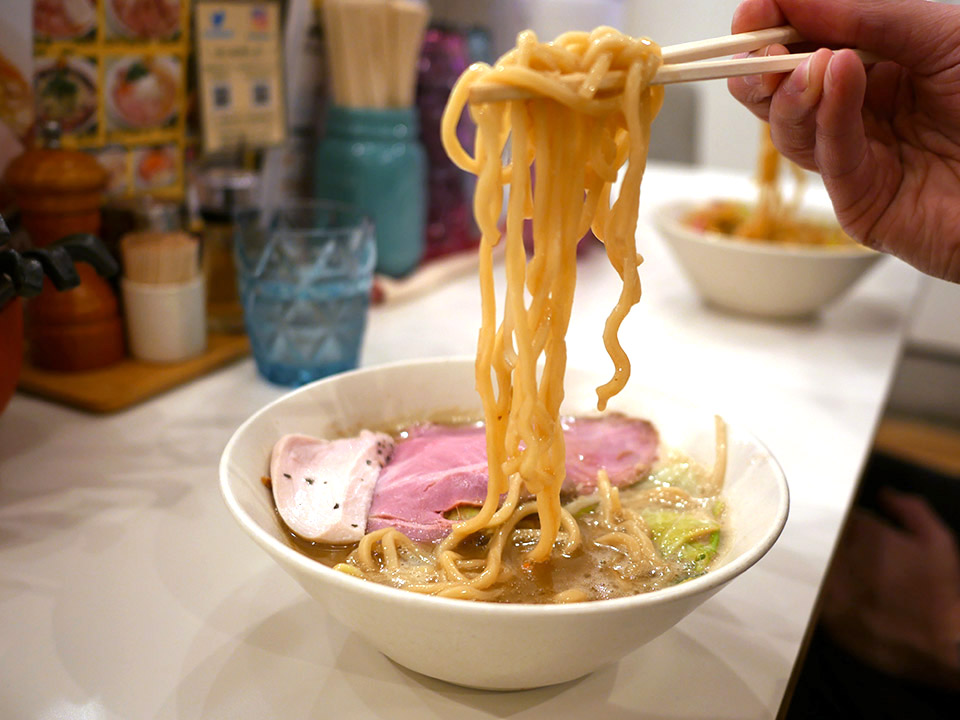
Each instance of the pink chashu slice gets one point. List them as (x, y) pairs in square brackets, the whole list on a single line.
[(438, 468)]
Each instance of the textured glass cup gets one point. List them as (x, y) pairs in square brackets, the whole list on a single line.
[(304, 273)]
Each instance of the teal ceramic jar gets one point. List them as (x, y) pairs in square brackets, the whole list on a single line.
[(372, 159)]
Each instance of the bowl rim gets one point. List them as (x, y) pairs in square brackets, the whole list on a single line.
[(667, 220), (703, 584)]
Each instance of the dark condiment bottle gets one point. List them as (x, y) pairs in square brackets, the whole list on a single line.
[(59, 192), (225, 196)]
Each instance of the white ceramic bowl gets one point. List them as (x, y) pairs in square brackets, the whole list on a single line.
[(769, 280), (478, 644)]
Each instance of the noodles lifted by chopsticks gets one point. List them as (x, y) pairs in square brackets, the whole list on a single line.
[(577, 140)]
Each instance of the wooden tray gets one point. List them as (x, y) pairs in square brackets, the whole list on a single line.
[(130, 381)]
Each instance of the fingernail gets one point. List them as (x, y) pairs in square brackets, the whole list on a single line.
[(799, 79), (751, 80), (828, 76)]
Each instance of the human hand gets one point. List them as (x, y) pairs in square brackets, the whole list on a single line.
[(892, 597), (886, 140)]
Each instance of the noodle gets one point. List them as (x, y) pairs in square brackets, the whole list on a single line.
[(772, 214), (773, 218), (715, 481), (628, 528), (578, 140), (570, 596)]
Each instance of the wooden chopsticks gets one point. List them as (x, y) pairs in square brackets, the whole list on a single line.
[(372, 50), (685, 63), (729, 44), (716, 69)]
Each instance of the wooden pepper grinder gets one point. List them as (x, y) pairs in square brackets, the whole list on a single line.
[(59, 192)]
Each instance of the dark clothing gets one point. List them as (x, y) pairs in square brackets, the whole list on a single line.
[(834, 684)]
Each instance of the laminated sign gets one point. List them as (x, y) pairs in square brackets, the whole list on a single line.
[(240, 69)]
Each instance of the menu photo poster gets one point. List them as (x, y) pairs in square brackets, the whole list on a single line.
[(240, 75), (112, 74)]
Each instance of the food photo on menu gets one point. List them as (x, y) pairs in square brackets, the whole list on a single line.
[(67, 93), (16, 101), (144, 19), (113, 159), (17, 110), (60, 20), (141, 91), (155, 167)]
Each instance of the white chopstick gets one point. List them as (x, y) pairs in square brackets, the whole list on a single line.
[(685, 63), (735, 67), (729, 44)]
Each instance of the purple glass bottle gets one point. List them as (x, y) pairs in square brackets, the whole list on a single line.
[(450, 226)]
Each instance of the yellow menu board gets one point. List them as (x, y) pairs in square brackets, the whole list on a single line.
[(113, 75), (240, 70)]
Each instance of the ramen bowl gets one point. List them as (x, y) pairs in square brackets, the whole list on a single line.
[(774, 280), (482, 644)]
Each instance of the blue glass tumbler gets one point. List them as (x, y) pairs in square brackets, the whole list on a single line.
[(372, 159), (304, 275)]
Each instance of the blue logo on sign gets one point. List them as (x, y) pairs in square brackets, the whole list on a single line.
[(218, 25)]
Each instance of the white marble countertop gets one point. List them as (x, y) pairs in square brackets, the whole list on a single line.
[(127, 591)]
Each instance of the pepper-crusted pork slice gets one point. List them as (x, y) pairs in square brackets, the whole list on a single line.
[(323, 488)]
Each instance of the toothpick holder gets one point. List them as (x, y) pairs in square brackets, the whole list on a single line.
[(166, 323)]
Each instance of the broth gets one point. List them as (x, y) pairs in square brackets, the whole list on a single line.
[(685, 526)]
